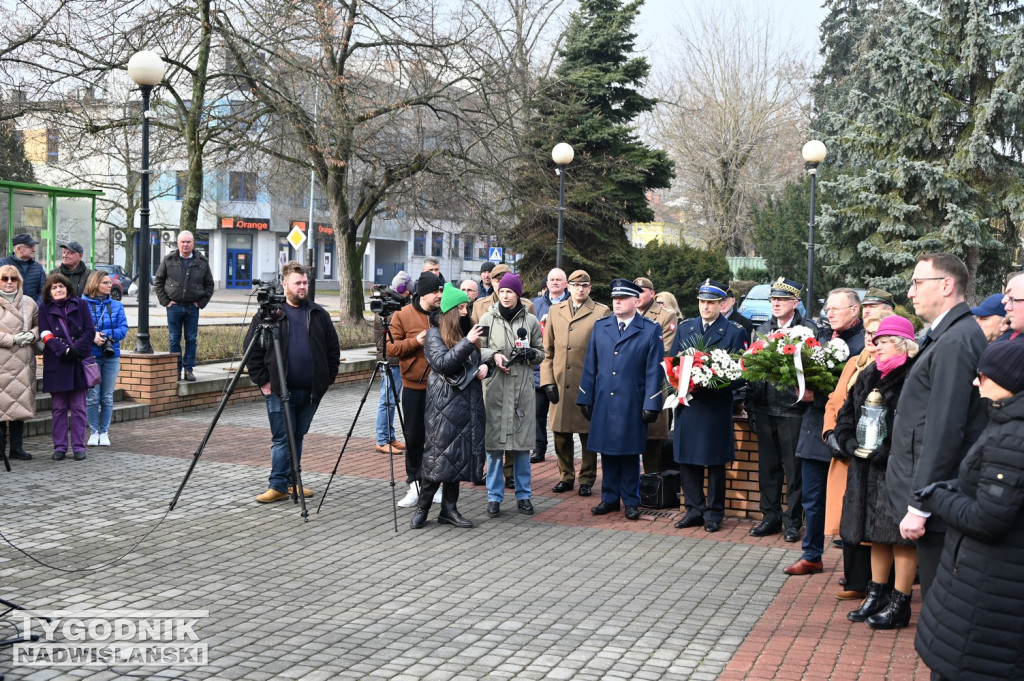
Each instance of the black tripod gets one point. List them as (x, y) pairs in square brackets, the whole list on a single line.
[(269, 336), (391, 391)]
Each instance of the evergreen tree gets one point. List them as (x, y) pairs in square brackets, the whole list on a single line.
[(932, 134), (14, 167), (590, 102), (680, 270)]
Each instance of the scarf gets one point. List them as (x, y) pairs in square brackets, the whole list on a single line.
[(509, 313), (888, 365)]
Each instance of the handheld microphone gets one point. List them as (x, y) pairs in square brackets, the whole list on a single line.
[(521, 340)]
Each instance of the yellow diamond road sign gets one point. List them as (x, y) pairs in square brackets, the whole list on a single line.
[(296, 237)]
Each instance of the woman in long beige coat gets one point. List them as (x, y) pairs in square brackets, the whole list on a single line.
[(566, 335), (19, 330)]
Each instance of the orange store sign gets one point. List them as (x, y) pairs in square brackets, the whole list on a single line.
[(257, 224)]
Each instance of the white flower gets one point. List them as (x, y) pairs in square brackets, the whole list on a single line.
[(839, 349), (799, 332), (818, 355)]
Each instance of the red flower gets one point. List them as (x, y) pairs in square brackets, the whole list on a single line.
[(812, 343), (756, 347), (789, 349), (776, 336)]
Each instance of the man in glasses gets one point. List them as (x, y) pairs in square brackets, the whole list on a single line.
[(938, 416), (1013, 303), (33, 275)]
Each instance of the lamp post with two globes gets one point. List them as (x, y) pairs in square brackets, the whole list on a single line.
[(562, 155), (146, 69), (814, 153)]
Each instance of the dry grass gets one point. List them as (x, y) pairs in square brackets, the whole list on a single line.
[(223, 343)]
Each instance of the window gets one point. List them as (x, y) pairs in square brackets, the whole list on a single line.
[(181, 181), (467, 246), (419, 242), (242, 186), (52, 146), (437, 245)]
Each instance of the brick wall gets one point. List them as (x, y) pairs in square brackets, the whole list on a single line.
[(741, 481), (153, 380)]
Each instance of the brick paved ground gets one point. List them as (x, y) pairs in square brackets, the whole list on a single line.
[(560, 595)]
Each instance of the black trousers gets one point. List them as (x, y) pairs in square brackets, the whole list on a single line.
[(414, 405), (929, 550), (857, 566), (541, 411), (776, 451), (711, 507)]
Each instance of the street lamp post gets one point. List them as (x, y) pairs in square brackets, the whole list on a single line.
[(562, 155), (814, 153), (146, 69)]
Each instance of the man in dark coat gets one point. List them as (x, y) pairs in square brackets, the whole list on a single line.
[(311, 354), (843, 309), (730, 312), (184, 285), (73, 267), (33, 276), (620, 394), (703, 433), (939, 415)]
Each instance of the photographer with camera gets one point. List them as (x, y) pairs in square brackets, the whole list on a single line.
[(384, 302), (311, 354), (513, 346), (111, 327)]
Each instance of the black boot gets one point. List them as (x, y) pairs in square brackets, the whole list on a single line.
[(449, 514), (17, 435), (895, 615), (875, 599), (419, 518)]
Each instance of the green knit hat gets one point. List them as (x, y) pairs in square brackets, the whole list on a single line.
[(452, 297)]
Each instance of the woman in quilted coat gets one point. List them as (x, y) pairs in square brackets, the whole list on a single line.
[(454, 413), (19, 329), (67, 331), (972, 620)]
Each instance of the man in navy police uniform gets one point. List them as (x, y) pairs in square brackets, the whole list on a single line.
[(703, 433), (620, 394)]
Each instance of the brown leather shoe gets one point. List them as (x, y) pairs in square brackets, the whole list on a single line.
[(850, 595), (803, 567), (383, 449), (400, 446), (271, 495), (306, 492)]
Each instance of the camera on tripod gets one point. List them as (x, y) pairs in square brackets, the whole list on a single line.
[(269, 298), (384, 301)]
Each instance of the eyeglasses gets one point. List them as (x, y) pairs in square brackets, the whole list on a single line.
[(8, 279), (830, 310), (869, 336), (106, 282), (916, 283), (1007, 300), (577, 284)]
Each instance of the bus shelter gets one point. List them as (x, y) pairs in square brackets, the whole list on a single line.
[(52, 215)]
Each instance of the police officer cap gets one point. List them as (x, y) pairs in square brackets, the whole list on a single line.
[(875, 296), (712, 290), (785, 287), (644, 282), (579, 277), (624, 288), (23, 239)]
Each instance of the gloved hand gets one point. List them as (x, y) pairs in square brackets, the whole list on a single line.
[(23, 338), (925, 492), (551, 392), (532, 355), (650, 416), (588, 410), (74, 353), (833, 446)]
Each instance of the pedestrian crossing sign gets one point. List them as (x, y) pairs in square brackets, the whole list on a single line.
[(494, 254)]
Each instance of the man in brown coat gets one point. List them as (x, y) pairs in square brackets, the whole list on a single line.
[(657, 432), (566, 336)]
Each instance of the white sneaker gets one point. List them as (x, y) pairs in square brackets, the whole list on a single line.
[(104, 440), (94, 440), (437, 496), (410, 498)]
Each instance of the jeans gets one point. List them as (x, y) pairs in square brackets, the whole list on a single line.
[(100, 400), (183, 316), (496, 477), (386, 410), (302, 407), (65, 401), (814, 476)]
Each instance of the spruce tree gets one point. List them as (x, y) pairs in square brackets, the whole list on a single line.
[(931, 135), (591, 103)]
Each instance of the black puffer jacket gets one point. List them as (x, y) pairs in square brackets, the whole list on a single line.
[(765, 398), (454, 417), (972, 621), (867, 513)]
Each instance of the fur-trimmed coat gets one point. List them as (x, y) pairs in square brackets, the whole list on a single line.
[(17, 363), (867, 513)]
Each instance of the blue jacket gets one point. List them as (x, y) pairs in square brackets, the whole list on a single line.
[(622, 377), (109, 319), (541, 308), (32, 274), (703, 434)]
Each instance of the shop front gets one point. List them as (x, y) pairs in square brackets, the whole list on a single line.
[(240, 249)]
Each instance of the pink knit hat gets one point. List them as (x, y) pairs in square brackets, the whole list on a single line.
[(896, 326)]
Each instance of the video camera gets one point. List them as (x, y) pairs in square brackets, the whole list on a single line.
[(384, 301), (270, 299)]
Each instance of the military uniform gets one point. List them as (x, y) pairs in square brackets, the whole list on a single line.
[(566, 338), (704, 434), (621, 380)]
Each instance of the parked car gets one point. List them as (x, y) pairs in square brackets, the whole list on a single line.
[(118, 277), (757, 307)]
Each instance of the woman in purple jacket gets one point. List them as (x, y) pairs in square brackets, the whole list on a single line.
[(67, 330)]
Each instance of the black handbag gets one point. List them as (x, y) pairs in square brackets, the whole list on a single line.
[(462, 379), (660, 490)]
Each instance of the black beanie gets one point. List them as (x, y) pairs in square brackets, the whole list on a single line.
[(1003, 363), (428, 283)]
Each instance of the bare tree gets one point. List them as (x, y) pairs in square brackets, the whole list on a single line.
[(733, 118)]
